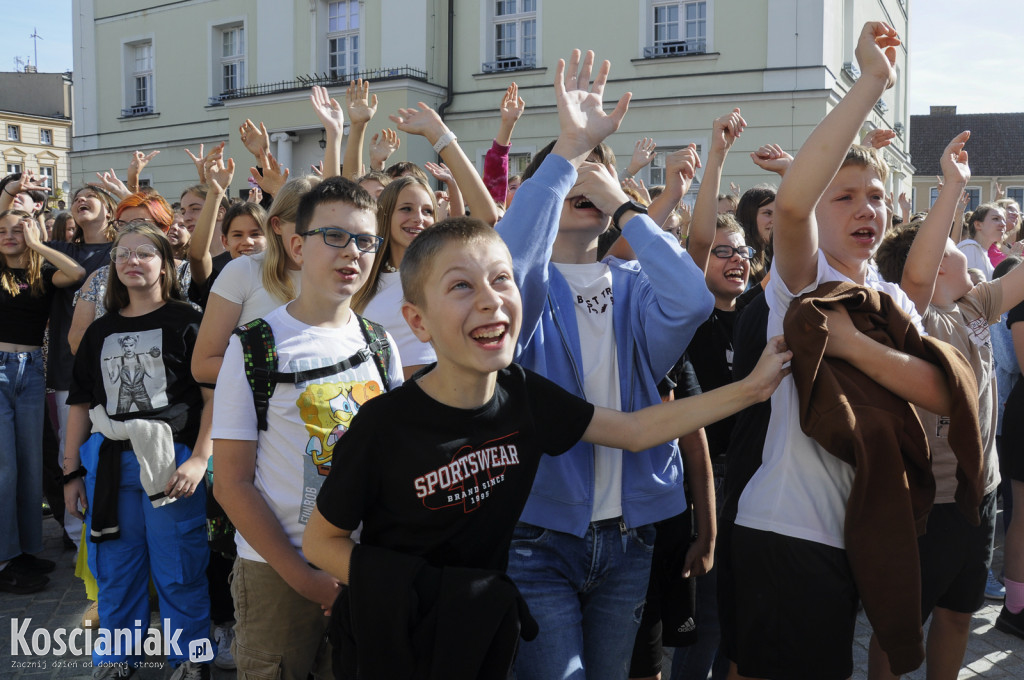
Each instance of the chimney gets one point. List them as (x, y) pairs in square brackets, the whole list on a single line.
[(943, 110)]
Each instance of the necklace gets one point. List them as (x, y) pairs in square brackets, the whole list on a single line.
[(389, 268)]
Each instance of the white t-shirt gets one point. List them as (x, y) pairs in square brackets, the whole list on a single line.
[(592, 285), (977, 258), (801, 489), (241, 282), (304, 421), (386, 309)]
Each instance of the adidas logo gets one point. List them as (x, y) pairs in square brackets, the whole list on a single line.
[(687, 627)]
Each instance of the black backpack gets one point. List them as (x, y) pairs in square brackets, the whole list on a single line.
[(259, 353)]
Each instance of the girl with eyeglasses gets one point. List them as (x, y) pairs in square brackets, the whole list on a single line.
[(138, 479), (30, 272)]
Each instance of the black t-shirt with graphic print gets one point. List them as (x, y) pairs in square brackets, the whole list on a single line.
[(449, 484), (141, 367)]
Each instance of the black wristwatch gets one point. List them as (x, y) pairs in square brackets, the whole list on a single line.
[(626, 207)]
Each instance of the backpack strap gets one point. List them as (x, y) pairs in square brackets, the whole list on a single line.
[(259, 354), (377, 341)]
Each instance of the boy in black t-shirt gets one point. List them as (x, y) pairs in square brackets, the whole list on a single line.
[(448, 485)]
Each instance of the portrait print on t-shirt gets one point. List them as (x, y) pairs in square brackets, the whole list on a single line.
[(133, 373)]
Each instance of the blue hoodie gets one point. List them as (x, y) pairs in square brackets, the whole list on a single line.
[(660, 300)]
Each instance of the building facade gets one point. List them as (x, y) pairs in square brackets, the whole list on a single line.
[(171, 75), (35, 124)]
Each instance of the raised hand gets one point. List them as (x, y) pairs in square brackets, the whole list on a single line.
[(318, 169), (772, 158), (328, 110), (876, 52), (272, 178), (643, 154), (681, 167), (423, 121), (219, 174), (1000, 191), (512, 105), (140, 160), (637, 186), (360, 105), (878, 138), (27, 182), (954, 162), (110, 182), (735, 189), (581, 118), (382, 145), (200, 160), (255, 195), (906, 209), (440, 172), (726, 130), (256, 140)]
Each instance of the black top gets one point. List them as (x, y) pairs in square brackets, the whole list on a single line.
[(711, 352), (91, 256), (25, 315), (449, 484), (141, 367), (199, 293)]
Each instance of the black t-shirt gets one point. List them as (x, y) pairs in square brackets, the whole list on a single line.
[(448, 484), (1014, 315), (91, 256), (711, 352), (141, 367), (25, 315), (199, 293)]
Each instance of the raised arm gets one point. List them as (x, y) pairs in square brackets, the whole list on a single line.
[(772, 158), (68, 270), (441, 172), (273, 176), (795, 234), (724, 133), (424, 121), (382, 145), (925, 256), (136, 165), (219, 178), (255, 139), (496, 158), (680, 169), (332, 117), (361, 107)]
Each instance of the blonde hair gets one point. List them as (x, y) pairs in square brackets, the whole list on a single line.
[(275, 259), (386, 206), (33, 263)]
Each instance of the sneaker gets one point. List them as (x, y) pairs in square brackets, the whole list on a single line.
[(224, 636), (33, 565), (47, 510), (112, 672), (994, 590), (91, 616), (20, 582), (191, 671), (1012, 624)]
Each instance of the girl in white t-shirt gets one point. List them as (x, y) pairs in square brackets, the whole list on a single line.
[(251, 287), (986, 227)]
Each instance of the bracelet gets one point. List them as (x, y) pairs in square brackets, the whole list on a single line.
[(444, 140), (80, 472)]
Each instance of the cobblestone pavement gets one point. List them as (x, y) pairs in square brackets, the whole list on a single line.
[(991, 654)]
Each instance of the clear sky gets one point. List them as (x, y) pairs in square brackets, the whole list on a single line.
[(967, 54)]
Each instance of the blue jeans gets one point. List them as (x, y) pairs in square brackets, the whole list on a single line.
[(587, 595), (168, 542), (22, 408)]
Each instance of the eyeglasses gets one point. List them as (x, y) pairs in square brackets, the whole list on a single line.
[(336, 237), (143, 253), (725, 252)]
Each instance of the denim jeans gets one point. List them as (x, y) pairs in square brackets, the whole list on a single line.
[(168, 543), (587, 595), (22, 408)]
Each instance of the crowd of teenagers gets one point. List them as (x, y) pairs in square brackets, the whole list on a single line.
[(545, 426)]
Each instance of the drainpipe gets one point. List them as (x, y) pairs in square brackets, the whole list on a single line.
[(450, 94)]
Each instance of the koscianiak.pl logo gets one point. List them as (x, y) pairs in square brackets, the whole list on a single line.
[(118, 642)]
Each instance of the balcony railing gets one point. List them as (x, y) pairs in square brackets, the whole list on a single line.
[(137, 110), (304, 82), (676, 47), (508, 64)]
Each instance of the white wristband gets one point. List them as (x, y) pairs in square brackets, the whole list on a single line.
[(445, 139)]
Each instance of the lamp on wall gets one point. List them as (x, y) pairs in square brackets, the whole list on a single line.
[(323, 139)]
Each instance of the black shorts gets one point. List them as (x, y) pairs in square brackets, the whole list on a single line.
[(1013, 436), (795, 607), (955, 558), (668, 618)]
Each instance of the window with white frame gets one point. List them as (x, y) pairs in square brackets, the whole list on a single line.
[(46, 174), (933, 195), (1016, 194), (517, 163), (139, 89), (513, 35), (13, 168), (656, 172), (343, 39), (14, 133), (677, 28), (45, 136), (973, 197), (232, 58)]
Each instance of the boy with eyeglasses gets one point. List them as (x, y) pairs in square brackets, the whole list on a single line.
[(267, 480)]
